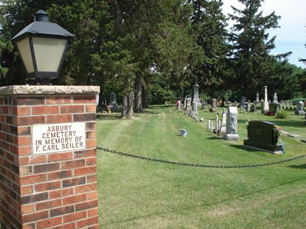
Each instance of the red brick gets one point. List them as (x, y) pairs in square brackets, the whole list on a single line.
[(92, 196), (74, 199), (85, 171), (59, 118), (61, 193), (94, 227), (25, 209), (34, 198), (91, 161), (48, 205), (41, 110), (29, 226), (85, 99), (26, 121), (24, 150), (91, 135), (29, 101), (72, 109), (58, 100), (85, 188), (86, 205), (61, 211), (21, 111), (23, 141), (87, 222), (35, 159), (75, 217), (33, 179), (49, 223), (91, 126), (46, 168), (91, 143), (91, 108), (73, 164), (35, 217), (66, 226), (92, 179), (60, 175), (93, 212), (25, 170), (60, 157), (85, 153), (26, 190), (84, 117), (47, 186), (23, 130), (73, 182)]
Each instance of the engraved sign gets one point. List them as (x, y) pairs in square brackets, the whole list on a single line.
[(49, 138)]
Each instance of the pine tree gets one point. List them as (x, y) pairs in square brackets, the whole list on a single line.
[(252, 62), (209, 26)]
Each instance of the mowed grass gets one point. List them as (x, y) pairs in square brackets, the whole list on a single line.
[(142, 194)]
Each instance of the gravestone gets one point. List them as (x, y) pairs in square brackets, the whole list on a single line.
[(266, 103), (223, 123), (188, 103), (208, 124), (213, 105), (113, 103), (248, 107), (257, 98), (217, 123), (196, 93), (300, 108), (242, 102), (253, 108), (263, 135), (273, 108), (231, 124), (275, 99)]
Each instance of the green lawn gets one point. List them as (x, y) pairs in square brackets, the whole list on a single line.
[(141, 194)]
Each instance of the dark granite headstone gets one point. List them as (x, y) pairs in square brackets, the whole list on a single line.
[(263, 135)]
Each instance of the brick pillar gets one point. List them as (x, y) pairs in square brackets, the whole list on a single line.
[(48, 157)]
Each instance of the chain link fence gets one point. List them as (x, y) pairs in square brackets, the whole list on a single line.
[(199, 165)]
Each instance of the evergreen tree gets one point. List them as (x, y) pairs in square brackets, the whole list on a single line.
[(252, 62), (209, 27)]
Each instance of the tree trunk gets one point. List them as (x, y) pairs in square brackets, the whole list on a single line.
[(127, 105), (138, 107), (145, 103)]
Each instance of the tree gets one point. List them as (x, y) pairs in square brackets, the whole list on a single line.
[(209, 28), (251, 59)]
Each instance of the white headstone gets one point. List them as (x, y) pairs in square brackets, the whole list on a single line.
[(217, 122), (232, 124), (266, 103), (275, 99)]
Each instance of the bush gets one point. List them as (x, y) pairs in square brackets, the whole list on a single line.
[(281, 114)]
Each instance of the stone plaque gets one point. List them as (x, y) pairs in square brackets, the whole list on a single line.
[(49, 138)]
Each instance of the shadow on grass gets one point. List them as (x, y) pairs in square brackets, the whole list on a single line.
[(214, 138), (107, 116), (242, 147), (298, 166)]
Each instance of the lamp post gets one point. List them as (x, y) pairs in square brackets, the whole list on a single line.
[(42, 46)]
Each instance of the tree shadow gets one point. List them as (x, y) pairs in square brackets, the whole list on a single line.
[(298, 166), (214, 138), (106, 116), (242, 147)]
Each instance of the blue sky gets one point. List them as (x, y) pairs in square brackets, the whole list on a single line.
[(291, 36)]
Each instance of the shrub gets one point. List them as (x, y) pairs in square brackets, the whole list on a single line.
[(281, 114)]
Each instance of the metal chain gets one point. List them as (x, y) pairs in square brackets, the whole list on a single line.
[(199, 165)]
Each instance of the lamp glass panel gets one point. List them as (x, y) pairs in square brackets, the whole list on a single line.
[(48, 53), (25, 52)]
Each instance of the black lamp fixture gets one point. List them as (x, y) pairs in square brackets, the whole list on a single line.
[(42, 46)]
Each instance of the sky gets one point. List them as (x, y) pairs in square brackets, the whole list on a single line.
[(291, 36)]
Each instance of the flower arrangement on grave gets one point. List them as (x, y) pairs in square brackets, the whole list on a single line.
[(277, 130)]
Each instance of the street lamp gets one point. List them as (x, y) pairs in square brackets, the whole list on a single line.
[(42, 46)]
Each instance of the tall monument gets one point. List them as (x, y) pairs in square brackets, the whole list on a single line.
[(266, 103), (196, 93)]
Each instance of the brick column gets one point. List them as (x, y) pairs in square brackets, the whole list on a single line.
[(48, 157)]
